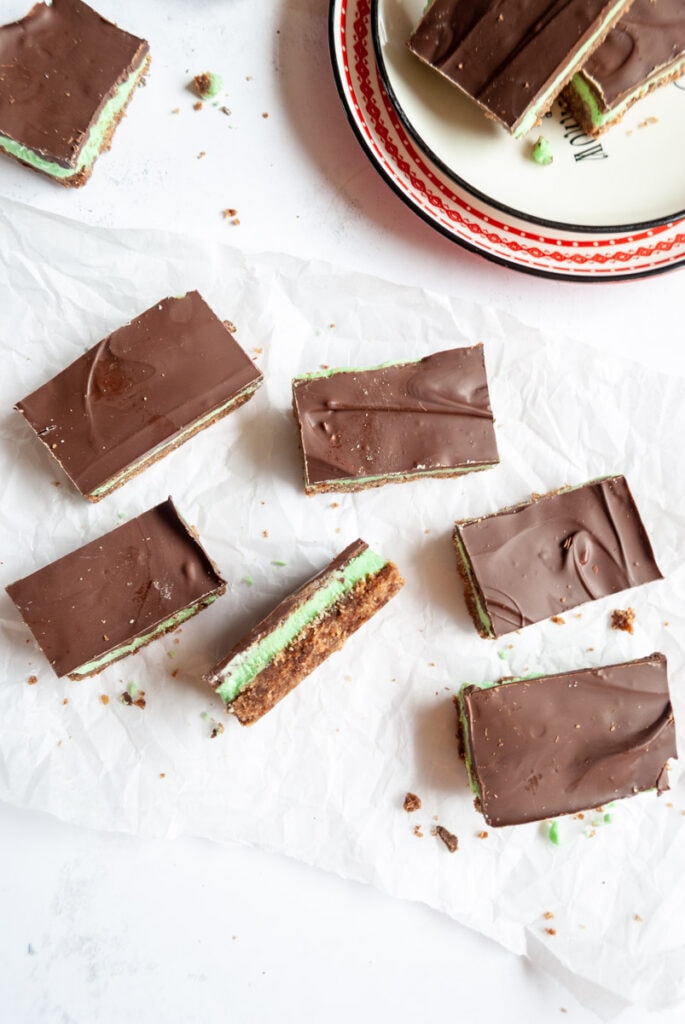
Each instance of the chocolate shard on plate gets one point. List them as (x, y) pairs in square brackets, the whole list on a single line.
[(539, 747), (540, 558), (645, 50), (512, 57), (66, 78), (302, 631), (139, 393), (112, 596), (366, 427)]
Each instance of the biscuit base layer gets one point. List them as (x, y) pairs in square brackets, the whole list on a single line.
[(314, 644)]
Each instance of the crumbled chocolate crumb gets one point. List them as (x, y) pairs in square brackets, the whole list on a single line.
[(104, 698), (411, 803), (448, 838), (418, 833), (551, 931), (230, 212), (558, 619), (217, 730), (548, 915), (483, 834), (32, 680), (623, 618), (197, 106)]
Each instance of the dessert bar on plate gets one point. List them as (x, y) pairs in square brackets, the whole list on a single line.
[(302, 631), (645, 50), (539, 747), (545, 556), (139, 393), (66, 78), (110, 597), (366, 427), (512, 58)]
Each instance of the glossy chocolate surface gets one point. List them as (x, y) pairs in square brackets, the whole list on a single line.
[(506, 53), (648, 39), (58, 67), (569, 742), (546, 556), (115, 588), (137, 389), (400, 419)]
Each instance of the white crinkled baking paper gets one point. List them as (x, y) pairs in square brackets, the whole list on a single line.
[(323, 777)]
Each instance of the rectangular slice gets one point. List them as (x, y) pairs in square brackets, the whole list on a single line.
[(536, 748), (366, 427), (512, 57), (645, 50), (66, 78), (302, 631), (548, 555), (110, 597), (139, 393)]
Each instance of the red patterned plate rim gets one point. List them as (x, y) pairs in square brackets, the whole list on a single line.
[(470, 219)]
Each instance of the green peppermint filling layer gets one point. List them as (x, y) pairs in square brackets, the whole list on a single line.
[(173, 442), (485, 619), (598, 116), (545, 100), (94, 142), (130, 648), (242, 669), (344, 482), (331, 372)]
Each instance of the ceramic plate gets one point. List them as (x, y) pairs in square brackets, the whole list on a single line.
[(607, 208)]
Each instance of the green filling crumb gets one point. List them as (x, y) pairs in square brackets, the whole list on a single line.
[(553, 833), (542, 152)]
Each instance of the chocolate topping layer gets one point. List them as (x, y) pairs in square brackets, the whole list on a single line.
[(116, 588), (506, 54), (58, 67), (398, 420), (646, 41), (137, 389), (569, 742), (548, 555)]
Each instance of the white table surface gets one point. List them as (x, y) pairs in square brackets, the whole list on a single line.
[(97, 927)]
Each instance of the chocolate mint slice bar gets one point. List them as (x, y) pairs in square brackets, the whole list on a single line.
[(545, 556), (645, 50), (302, 631), (66, 78), (512, 58), (111, 596), (139, 393), (536, 748), (365, 427)]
